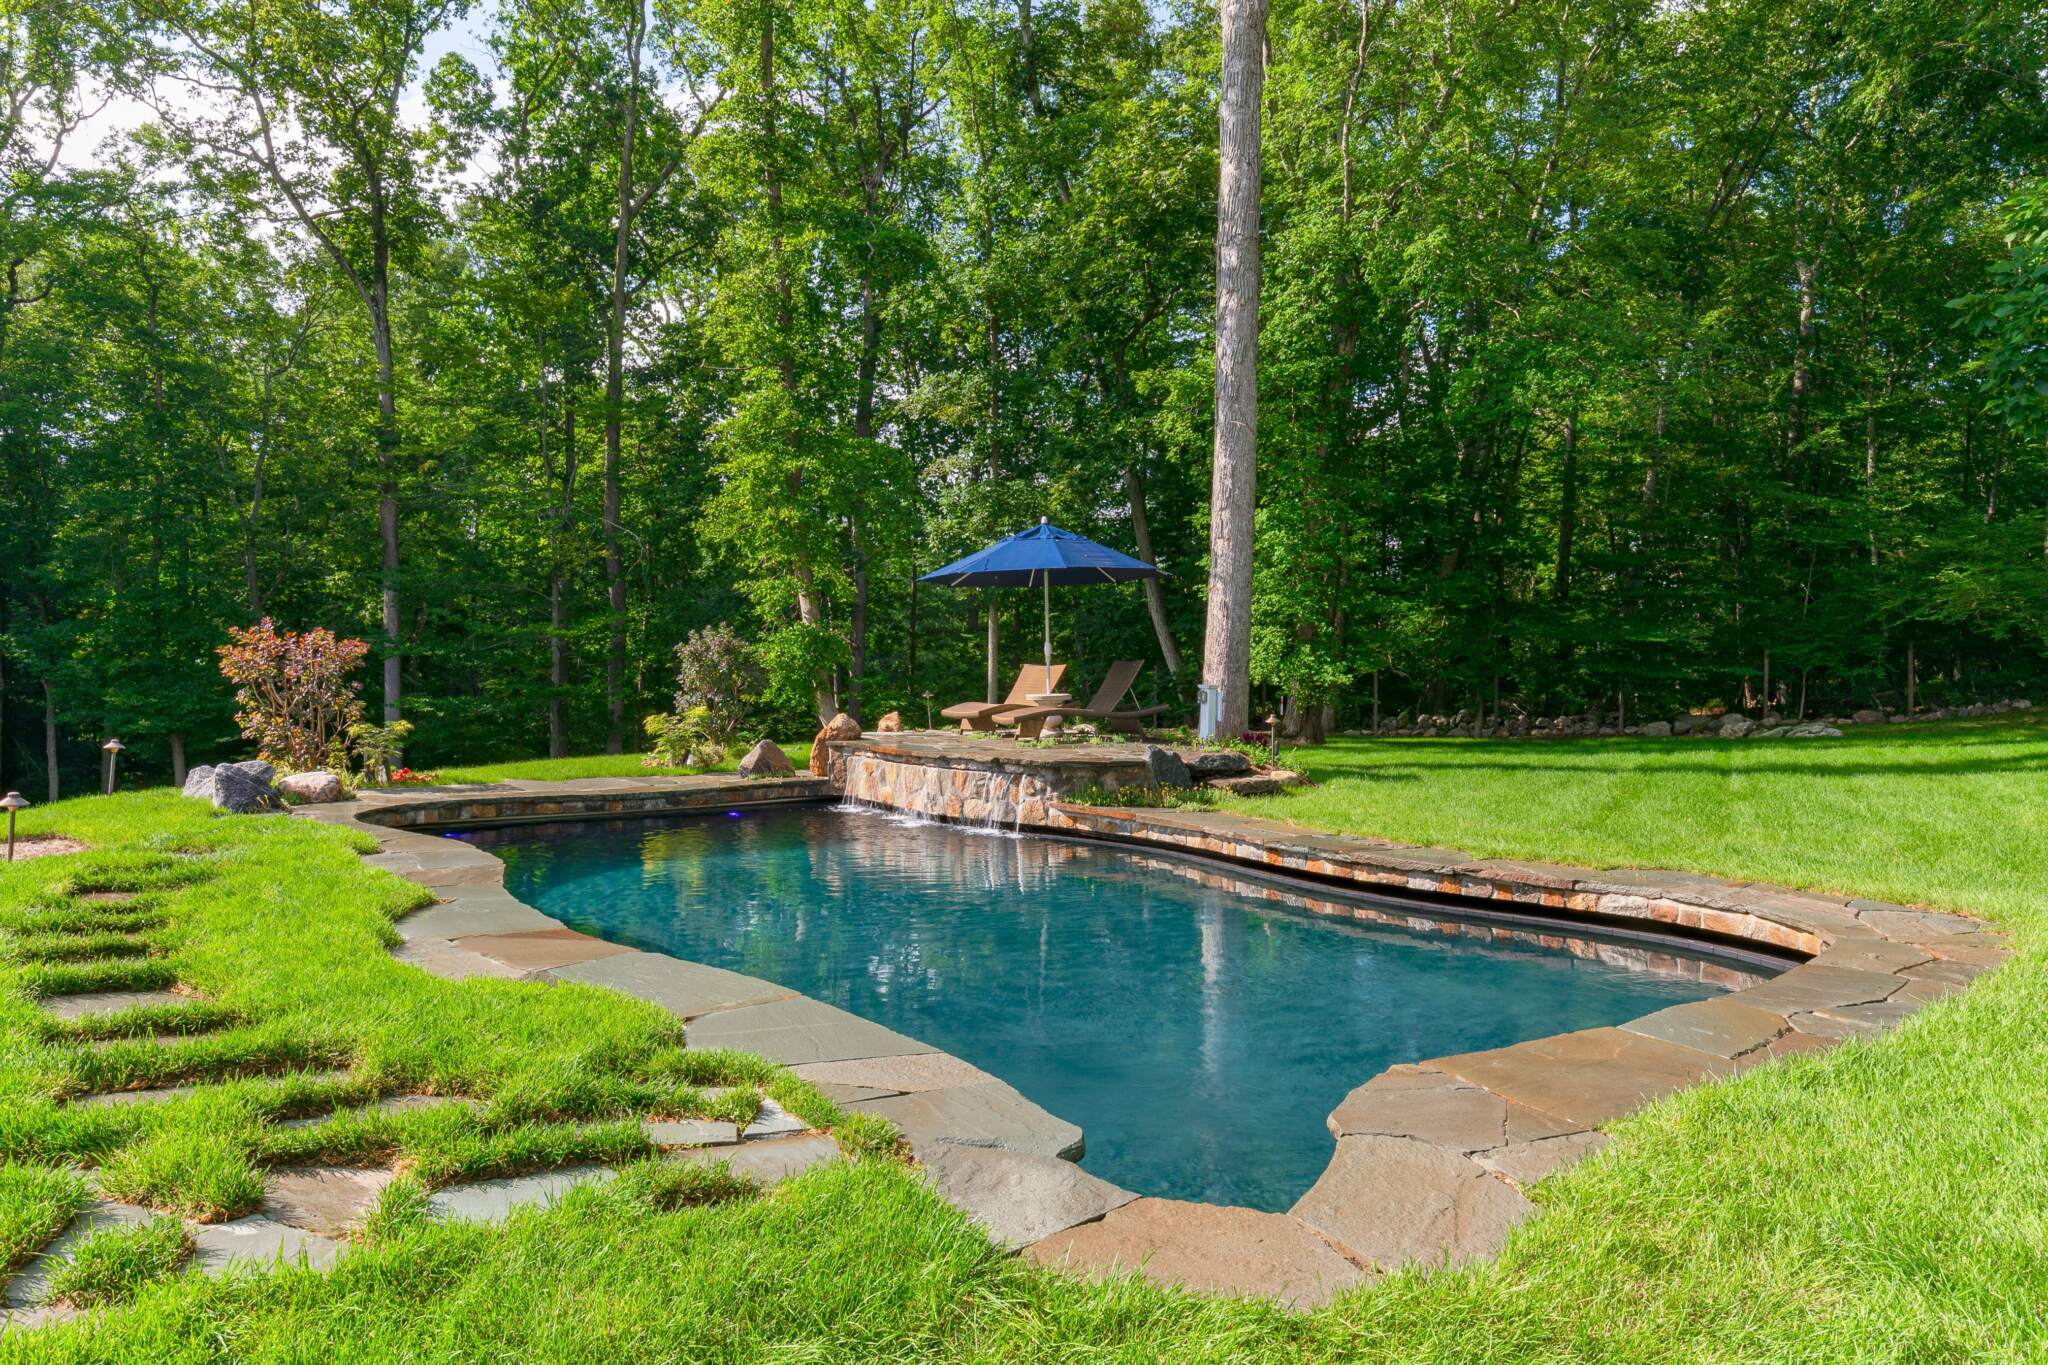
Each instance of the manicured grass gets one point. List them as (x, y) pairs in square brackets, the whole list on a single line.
[(35, 1204), (285, 934), (111, 1265), (599, 765), (1950, 814), (1881, 1202)]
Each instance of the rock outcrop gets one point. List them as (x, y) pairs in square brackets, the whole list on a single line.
[(841, 726), (1166, 768), (766, 759), (242, 788), (891, 724), (314, 788)]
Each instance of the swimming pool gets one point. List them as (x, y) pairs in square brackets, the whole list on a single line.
[(1197, 1025)]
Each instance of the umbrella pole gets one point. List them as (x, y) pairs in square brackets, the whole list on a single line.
[(1048, 632)]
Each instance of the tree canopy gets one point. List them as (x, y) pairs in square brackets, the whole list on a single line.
[(1612, 353)]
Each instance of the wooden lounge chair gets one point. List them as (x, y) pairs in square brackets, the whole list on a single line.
[(987, 715), (1102, 707)]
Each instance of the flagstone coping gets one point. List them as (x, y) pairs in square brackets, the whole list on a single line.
[(1432, 1158), (1019, 1197)]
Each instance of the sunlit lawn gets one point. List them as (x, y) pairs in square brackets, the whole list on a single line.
[(1952, 814), (1886, 1201)]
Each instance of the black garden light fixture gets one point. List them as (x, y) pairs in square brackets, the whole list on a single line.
[(11, 803), (113, 749)]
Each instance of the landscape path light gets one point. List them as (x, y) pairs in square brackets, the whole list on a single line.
[(1273, 737), (13, 802), (113, 749)]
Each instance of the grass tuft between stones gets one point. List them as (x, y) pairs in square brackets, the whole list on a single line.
[(111, 1265)]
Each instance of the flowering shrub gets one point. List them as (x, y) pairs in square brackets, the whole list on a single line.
[(292, 692), (717, 673), (412, 777)]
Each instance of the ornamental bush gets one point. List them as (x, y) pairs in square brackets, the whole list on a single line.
[(683, 740), (293, 695), (718, 673)]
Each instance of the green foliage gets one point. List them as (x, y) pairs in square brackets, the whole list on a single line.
[(666, 1186), (401, 1207), (111, 1265), (717, 674), (1144, 798), (683, 740), (187, 1173), (377, 747), (35, 1204), (1606, 350), (2009, 319)]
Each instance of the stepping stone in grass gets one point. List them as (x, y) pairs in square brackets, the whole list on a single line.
[(690, 1132), (389, 1104), (771, 1161), (91, 1003), (218, 1247), (174, 1092), (493, 1201), (327, 1201), (774, 1121), (26, 1289)]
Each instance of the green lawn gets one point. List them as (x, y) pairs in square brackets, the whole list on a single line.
[(596, 765), (1886, 1201)]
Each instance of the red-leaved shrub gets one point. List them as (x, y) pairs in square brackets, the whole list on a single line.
[(292, 691)]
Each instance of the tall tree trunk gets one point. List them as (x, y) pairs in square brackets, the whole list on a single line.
[(810, 610), (1802, 374), (615, 401), (1155, 600), (1567, 509), (857, 627), (177, 758), (387, 491), (558, 598), (50, 737), (995, 667), (1226, 644)]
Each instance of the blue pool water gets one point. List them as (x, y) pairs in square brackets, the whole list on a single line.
[(1196, 1031)]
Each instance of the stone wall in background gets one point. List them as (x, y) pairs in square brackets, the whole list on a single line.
[(1732, 725)]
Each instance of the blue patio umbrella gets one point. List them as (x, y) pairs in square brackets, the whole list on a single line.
[(1041, 557)]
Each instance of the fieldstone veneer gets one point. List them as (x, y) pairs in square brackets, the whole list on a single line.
[(1433, 1159)]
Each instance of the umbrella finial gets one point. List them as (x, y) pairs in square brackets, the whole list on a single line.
[(1045, 521)]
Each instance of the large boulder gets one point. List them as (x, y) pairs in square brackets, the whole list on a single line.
[(1813, 730), (1165, 768), (1868, 717), (766, 759), (241, 788), (1657, 729), (1685, 725), (841, 726), (1734, 725), (311, 788), (1212, 763), (891, 724)]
